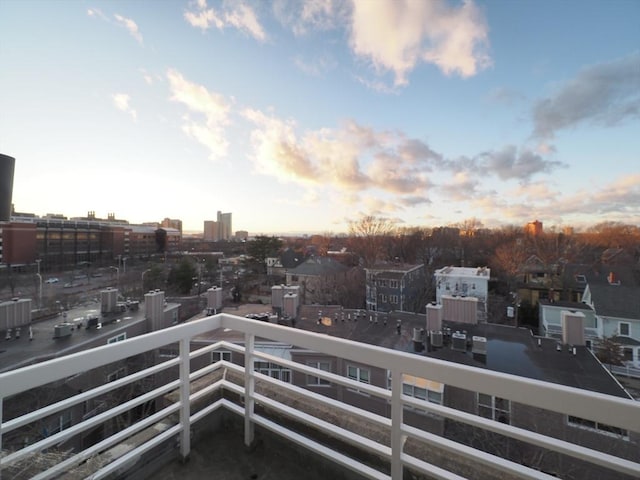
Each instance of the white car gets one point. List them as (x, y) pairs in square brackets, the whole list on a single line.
[(52, 280)]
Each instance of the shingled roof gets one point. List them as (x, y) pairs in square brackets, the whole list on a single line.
[(621, 301), (319, 266)]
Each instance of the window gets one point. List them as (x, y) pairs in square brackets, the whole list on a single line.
[(421, 388), (325, 367), (625, 329), (117, 338), (382, 283), (495, 408), (393, 283), (273, 370), (598, 427), (218, 355), (358, 374), (383, 298), (393, 299)]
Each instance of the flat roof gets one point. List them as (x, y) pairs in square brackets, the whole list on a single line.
[(20, 352)]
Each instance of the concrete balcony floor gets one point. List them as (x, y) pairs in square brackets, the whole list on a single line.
[(221, 454)]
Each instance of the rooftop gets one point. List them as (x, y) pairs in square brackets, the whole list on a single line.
[(301, 418), (23, 351)]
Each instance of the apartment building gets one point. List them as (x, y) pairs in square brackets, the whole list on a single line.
[(395, 286)]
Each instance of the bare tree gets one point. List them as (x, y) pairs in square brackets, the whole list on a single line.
[(368, 235)]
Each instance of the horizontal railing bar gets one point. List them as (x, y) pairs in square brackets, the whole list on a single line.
[(25, 378), (532, 438), (479, 456), (330, 428), (86, 424), (200, 414), (615, 411), (106, 443), (329, 376), (431, 470), (127, 457), (326, 452), (84, 396), (208, 390), (322, 399), (209, 348)]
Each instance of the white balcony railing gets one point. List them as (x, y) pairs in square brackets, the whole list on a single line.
[(604, 409)]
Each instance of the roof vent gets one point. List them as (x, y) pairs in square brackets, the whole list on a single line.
[(435, 336), (418, 334), (479, 345), (459, 342)]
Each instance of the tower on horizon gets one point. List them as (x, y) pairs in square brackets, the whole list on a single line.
[(7, 166), (224, 226)]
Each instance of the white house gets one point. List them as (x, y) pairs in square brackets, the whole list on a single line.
[(463, 281)]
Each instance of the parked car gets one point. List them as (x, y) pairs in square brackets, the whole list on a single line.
[(52, 280)]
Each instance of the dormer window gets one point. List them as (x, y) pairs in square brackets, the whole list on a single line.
[(581, 279)]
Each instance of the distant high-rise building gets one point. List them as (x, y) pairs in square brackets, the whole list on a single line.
[(242, 235), (533, 228), (224, 226), (172, 223), (210, 231), (7, 165)]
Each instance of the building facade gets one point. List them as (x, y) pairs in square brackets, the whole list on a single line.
[(394, 286)]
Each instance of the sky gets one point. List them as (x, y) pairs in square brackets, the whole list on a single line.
[(302, 116)]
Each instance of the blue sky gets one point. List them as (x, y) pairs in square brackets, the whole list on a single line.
[(299, 116)]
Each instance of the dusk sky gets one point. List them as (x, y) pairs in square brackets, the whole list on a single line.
[(298, 116)]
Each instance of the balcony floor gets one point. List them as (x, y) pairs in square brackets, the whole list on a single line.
[(221, 454)]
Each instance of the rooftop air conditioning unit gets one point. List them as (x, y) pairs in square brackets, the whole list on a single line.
[(479, 345), (62, 330), (435, 336), (459, 342)]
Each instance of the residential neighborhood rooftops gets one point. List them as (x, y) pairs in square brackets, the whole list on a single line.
[(394, 267), (509, 350), (622, 301), (319, 266), (19, 352)]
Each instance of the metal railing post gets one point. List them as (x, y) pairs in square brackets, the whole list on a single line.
[(397, 439), (1, 416), (185, 391), (249, 388)]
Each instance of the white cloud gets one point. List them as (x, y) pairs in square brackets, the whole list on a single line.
[(232, 14), (130, 25), (121, 101), (397, 35), (212, 106), (316, 67), (311, 15), (352, 158), (96, 12)]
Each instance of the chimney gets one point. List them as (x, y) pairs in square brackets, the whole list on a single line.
[(434, 317), (572, 328), (612, 279)]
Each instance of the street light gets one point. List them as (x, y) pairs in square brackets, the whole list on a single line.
[(117, 276), (142, 278)]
